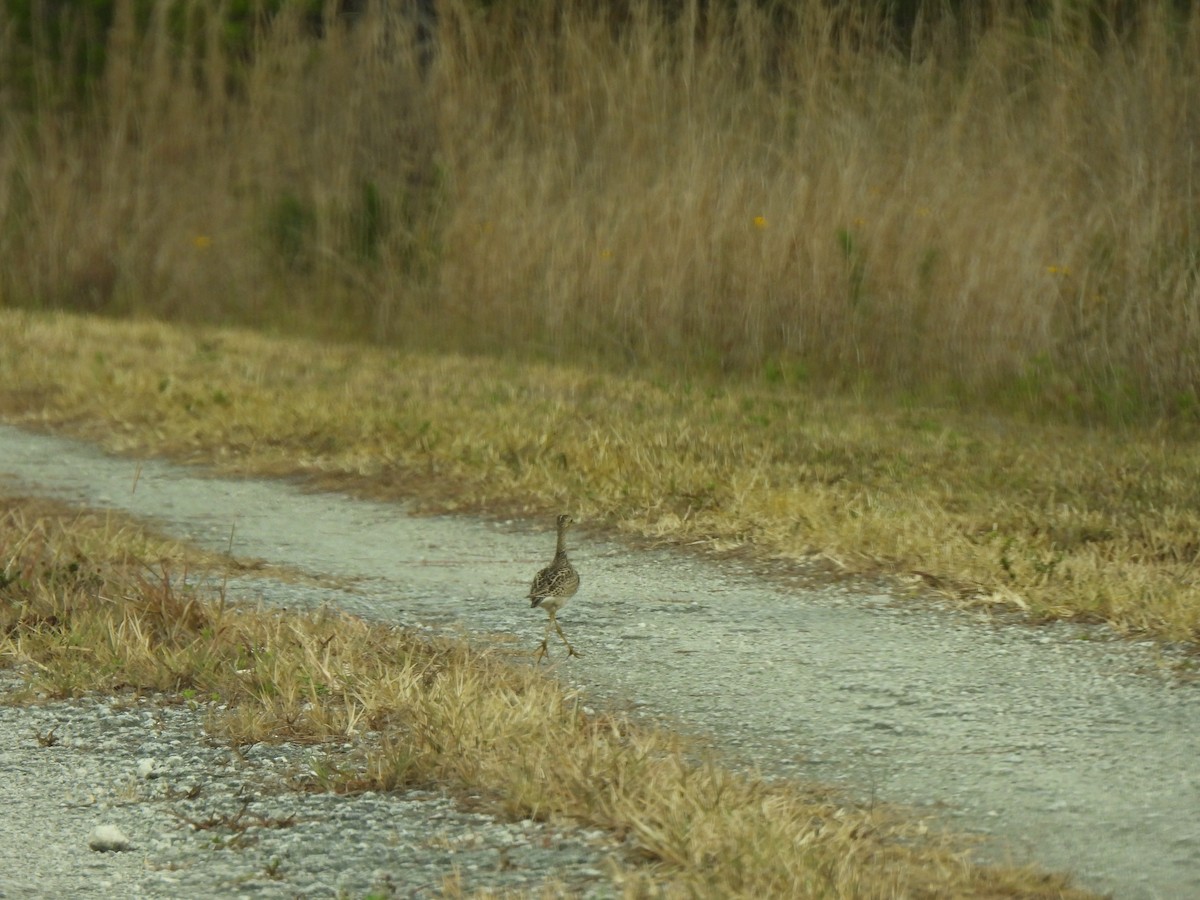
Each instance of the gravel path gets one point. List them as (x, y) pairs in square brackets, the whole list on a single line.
[(1068, 752)]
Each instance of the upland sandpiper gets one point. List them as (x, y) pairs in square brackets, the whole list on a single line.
[(554, 586)]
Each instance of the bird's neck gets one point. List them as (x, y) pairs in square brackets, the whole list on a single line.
[(561, 549)]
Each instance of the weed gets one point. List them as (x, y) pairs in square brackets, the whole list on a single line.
[(274, 869), (48, 739), (856, 266), (290, 226), (369, 222)]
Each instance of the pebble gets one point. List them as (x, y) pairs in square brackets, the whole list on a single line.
[(107, 838)]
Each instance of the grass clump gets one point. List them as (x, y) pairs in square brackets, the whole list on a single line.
[(454, 716)]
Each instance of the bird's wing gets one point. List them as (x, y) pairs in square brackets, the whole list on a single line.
[(551, 579), (542, 582)]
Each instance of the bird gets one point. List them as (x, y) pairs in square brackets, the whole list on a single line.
[(554, 586)]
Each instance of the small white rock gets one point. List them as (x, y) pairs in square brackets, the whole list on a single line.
[(107, 838)]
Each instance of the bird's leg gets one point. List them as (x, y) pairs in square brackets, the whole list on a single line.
[(571, 651), (545, 640)]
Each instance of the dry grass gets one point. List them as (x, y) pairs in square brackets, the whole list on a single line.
[(1052, 521), (1008, 202), (454, 716)]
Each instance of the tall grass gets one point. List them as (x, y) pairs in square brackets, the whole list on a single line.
[(1007, 201)]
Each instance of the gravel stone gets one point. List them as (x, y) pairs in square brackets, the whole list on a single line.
[(108, 838)]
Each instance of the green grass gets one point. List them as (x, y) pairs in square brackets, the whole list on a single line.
[(1051, 521), (84, 612)]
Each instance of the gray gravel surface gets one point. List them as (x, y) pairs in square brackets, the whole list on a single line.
[(206, 821), (1059, 747)]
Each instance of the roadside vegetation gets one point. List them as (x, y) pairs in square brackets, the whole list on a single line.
[(93, 602), (1049, 521), (996, 200)]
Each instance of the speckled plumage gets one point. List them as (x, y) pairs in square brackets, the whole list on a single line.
[(554, 585)]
